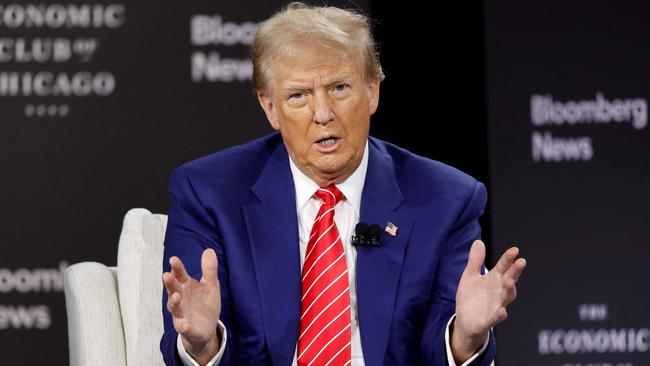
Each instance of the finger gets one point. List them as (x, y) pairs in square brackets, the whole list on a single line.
[(506, 260), (515, 271), (175, 305), (476, 257), (510, 292), (178, 269), (171, 283), (181, 325), (510, 297), (209, 266), (502, 314)]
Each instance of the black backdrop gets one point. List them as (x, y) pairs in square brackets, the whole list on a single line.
[(570, 171), (73, 165)]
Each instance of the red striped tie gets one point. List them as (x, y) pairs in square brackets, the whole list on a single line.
[(325, 308)]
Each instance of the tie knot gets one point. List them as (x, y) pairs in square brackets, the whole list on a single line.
[(330, 195)]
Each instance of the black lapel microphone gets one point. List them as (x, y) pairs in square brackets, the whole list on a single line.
[(366, 235), (374, 232)]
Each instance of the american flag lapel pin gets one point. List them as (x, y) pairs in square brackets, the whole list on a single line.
[(391, 228)]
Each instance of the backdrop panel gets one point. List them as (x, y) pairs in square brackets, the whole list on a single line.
[(570, 169)]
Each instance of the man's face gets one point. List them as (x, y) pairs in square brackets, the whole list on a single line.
[(322, 106)]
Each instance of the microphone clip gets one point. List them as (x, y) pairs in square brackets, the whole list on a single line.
[(366, 235)]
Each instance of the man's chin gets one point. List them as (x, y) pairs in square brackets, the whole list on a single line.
[(336, 171)]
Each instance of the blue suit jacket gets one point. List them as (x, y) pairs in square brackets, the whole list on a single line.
[(241, 202)]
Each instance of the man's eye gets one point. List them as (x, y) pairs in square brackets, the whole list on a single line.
[(296, 96), (341, 87)]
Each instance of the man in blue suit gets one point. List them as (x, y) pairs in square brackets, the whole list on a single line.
[(243, 224)]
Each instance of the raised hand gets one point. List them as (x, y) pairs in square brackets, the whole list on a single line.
[(481, 300), (195, 306)]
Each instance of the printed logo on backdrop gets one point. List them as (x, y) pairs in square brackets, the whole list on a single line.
[(595, 339), (600, 111), (26, 281), (54, 64), (214, 37)]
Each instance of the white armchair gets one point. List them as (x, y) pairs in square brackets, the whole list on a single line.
[(115, 313)]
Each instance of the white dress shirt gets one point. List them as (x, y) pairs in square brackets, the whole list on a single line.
[(346, 215)]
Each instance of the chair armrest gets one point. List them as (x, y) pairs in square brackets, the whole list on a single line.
[(95, 332)]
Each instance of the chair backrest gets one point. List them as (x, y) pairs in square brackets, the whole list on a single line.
[(139, 272), (115, 313)]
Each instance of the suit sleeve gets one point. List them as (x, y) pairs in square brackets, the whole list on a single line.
[(452, 263), (191, 229)]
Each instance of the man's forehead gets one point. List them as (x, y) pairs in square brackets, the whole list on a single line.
[(306, 74)]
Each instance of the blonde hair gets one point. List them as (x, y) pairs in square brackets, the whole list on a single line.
[(344, 32)]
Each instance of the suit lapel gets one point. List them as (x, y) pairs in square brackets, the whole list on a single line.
[(272, 228), (378, 269)]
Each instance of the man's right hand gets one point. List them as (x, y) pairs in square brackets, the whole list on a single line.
[(195, 306)]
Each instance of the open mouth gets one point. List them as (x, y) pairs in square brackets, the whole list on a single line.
[(327, 142)]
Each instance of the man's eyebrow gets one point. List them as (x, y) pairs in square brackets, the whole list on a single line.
[(296, 86), (339, 78)]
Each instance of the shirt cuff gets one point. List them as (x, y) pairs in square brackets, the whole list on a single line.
[(216, 360), (450, 356)]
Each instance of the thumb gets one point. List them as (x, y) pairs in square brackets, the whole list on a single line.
[(209, 265), (476, 257)]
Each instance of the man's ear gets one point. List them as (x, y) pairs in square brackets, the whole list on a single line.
[(373, 96), (267, 105)]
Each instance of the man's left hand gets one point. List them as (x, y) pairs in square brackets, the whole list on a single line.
[(481, 300)]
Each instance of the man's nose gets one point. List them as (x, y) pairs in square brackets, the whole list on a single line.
[(323, 112)]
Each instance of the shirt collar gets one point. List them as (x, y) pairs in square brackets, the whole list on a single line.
[(351, 187)]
